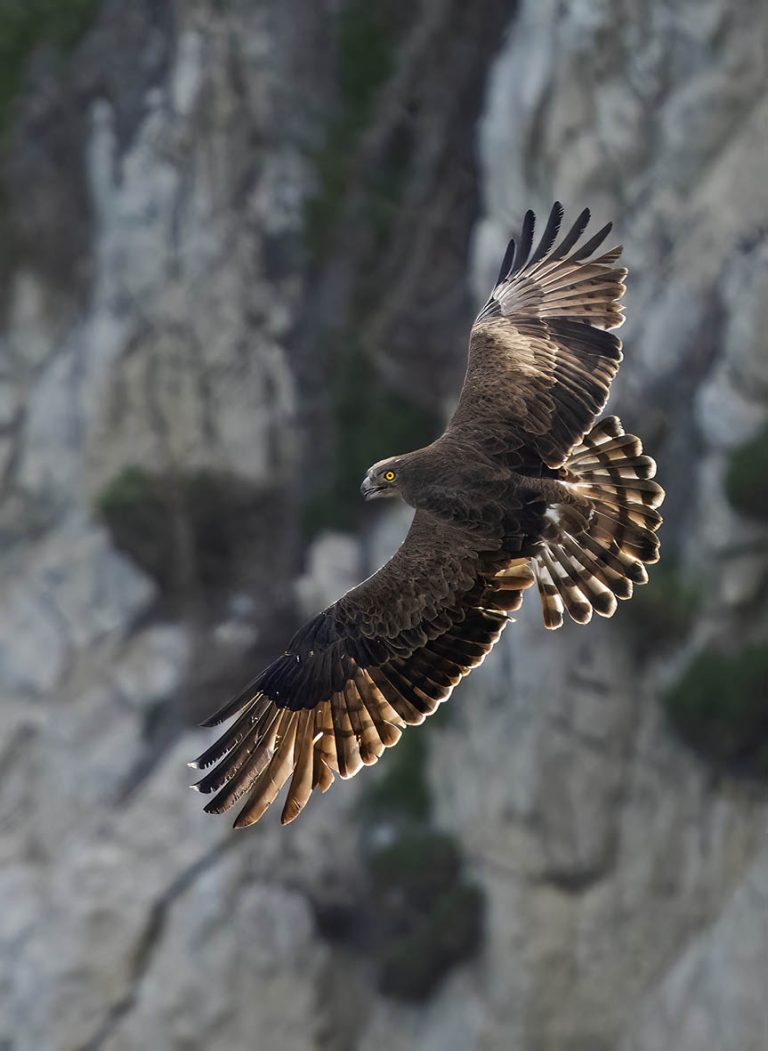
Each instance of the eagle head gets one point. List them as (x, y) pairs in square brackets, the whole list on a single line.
[(383, 479)]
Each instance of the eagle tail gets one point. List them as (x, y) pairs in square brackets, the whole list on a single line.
[(588, 569)]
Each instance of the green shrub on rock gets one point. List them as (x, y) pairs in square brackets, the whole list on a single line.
[(24, 24), (191, 530), (661, 612), (430, 916), (366, 53), (401, 790), (746, 479), (135, 508), (720, 706), (366, 429)]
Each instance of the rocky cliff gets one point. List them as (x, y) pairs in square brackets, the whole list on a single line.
[(238, 239)]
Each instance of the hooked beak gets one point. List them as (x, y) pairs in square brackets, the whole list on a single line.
[(368, 489), (371, 490)]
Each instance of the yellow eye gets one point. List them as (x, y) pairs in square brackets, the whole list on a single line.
[(389, 476)]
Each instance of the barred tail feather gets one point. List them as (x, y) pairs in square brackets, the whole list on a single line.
[(582, 572)]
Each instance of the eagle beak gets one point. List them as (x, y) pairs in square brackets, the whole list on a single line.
[(368, 489), (372, 490)]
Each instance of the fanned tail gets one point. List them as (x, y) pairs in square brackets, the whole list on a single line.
[(579, 571)]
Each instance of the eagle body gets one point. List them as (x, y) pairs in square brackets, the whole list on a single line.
[(527, 486), (461, 487)]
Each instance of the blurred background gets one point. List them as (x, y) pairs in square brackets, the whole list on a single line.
[(242, 245)]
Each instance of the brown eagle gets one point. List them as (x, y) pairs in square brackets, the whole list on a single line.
[(522, 487)]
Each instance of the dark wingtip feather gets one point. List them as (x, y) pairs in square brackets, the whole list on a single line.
[(593, 243), (526, 240), (506, 263), (573, 234), (550, 233), (234, 704), (209, 783), (212, 755)]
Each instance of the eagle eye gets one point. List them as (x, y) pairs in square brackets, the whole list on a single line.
[(389, 476)]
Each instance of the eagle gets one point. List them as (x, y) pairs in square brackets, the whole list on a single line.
[(526, 486)]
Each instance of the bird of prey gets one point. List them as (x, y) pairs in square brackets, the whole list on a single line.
[(525, 486)]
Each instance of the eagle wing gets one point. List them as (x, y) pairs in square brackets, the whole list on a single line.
[(381, 658), (541, 360)]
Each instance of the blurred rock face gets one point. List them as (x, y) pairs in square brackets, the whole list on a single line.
[(187, 333)]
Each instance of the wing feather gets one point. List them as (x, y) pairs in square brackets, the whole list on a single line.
[(541, 356), (331, 704), (524, 248), (301, 783), (550, 233)]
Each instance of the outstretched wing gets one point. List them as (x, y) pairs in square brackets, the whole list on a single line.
[(381, 658), (541, 360)]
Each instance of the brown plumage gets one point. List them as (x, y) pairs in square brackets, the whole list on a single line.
[(523, 487)]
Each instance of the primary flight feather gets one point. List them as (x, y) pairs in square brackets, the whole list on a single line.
[(524, 487)]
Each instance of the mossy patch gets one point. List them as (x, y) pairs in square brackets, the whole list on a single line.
[(135, 509), (24, 25), (746, 479), (661, 612), (401, 789), (430, 914), (720, 706), (426, 915), (189, 531), (371, 421), (370, 418), (367, 36), (415, 866)]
